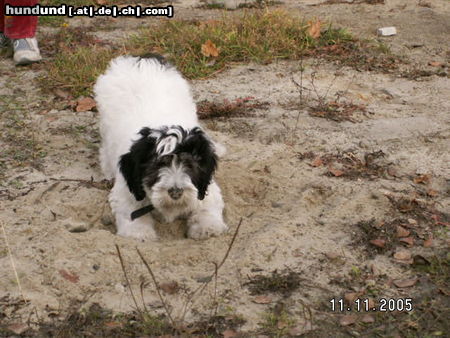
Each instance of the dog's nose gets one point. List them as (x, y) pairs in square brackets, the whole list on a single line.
[(175, 193)]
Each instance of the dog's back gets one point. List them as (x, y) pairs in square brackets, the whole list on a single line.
[(138, 92)]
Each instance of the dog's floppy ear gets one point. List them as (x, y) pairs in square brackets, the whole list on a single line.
[(202, 149), (132, 164)]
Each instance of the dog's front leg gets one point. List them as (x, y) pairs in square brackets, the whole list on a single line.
[(207, 220), (123, 204)]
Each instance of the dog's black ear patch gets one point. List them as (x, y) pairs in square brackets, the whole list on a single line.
[(133, 164), (200, 147)]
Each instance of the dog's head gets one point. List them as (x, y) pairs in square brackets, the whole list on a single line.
[(171, 165)]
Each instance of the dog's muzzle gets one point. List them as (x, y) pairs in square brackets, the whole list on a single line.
[(175, 193)]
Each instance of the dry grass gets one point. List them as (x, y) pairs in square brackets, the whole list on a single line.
[(261, 37)]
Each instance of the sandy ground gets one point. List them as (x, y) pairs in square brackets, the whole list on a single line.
[(294, 215)]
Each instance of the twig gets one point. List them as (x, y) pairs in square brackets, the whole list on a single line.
[(216, 271), (12, 262), (300, 90), (128, 281), (157, 288), (141, 287)]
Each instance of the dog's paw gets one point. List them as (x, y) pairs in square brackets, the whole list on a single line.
[(205, 230), (138, 230)]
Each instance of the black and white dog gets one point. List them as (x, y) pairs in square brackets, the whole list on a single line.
[(153, 147)]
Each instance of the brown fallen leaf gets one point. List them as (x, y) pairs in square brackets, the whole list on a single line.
[(402, 232), (405, 283), (368, 318), (70, 276), (335, 172), (17, 328), (314, 29), (210, 49), (432, 193), (424, 178), (351, 296), (229, 333), (380, 243), (317, 162), (428, 243), (402, 255), (348, 320), (113, 325), (170, 287), (101, 2), (435, 64), (262, 300), (407, 240), (85, 104)]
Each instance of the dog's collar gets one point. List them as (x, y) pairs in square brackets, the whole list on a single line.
[(141, 212)]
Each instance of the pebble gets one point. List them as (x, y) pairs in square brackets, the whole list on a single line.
[(276, 204), (106, 220), (412, 221), (74, 226), (387, 31)]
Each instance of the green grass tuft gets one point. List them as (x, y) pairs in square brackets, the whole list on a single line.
[(260, 37), (78, 70)]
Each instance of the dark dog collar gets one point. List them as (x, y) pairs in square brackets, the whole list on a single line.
[(141, 212)]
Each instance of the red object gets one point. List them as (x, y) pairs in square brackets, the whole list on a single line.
[(18, 27)]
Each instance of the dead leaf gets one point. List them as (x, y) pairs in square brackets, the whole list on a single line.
[(210, 49), (113, 325), (317, 162), (314, 29), (407, 240), (262, 300), (170, 287), (70, 276), (229, 334), (351, 296), (432, 193), (335, 172), (380, 243), (402, 255), (18, 328), (405, 283), (435, 64), (348, 320), (402, 232), (425, 179), (368, 318), (428, 243), (85, 104)]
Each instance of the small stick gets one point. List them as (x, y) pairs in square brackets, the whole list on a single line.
[(12, 262), (157, 288), (128, 281), (216, 270)]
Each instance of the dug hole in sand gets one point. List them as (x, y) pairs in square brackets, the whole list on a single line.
[(295, 216)]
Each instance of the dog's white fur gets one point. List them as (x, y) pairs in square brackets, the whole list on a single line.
[(133, 94)]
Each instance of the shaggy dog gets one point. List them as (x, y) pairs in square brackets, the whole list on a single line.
[(162, 161)]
